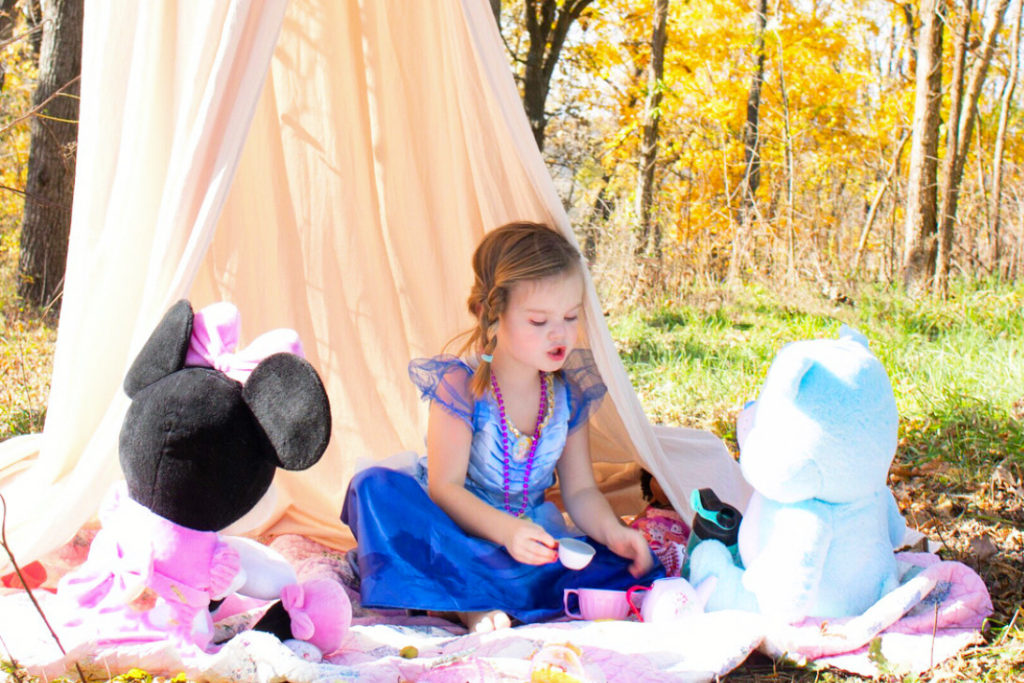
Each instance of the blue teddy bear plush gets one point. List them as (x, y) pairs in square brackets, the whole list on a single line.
[(818, 535)]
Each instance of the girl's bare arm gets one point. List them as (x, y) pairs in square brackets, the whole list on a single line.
[(448, 448), (591, 511)]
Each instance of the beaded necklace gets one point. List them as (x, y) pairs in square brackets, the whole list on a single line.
[(506, 476), (521, 442)]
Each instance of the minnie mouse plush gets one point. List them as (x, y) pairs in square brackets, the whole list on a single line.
[(204, 435)]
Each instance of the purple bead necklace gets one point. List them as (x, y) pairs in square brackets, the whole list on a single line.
[(506, 476)]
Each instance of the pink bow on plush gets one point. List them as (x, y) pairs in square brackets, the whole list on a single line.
[(215, 332)]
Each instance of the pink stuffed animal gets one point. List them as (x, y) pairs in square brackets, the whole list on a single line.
[(208, 427)]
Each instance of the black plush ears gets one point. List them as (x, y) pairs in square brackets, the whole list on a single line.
[(164, 351), (289, 401)]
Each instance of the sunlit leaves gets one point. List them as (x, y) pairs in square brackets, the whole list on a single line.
[(15, 101), (837, 100)]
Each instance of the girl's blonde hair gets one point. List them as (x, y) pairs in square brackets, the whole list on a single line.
[(514, 253)]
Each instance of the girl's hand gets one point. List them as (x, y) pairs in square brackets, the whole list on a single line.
[(631, 544), (530, 544)]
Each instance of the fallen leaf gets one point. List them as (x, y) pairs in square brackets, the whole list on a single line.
[(901, 472), (931, 468), (1004, 477), (983, 548), (944, 506)]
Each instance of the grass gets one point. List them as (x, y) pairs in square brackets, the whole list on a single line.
[(957, 367)]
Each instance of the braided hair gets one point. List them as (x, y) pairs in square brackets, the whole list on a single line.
[(514, 253)]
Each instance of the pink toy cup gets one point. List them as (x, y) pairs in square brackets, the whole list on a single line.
[(596, 603)]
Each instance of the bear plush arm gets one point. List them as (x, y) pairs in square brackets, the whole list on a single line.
[(897, 525), (787, 571), (712, 560)]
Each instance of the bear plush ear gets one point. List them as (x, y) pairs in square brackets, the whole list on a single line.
[(847, 332), (786, 373), (164, 351), (288, 399)]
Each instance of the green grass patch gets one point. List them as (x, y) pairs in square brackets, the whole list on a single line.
[(956, 365)]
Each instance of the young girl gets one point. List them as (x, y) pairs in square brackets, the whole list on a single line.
[(475, 535)]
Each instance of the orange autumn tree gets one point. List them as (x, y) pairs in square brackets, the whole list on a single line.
[(16, 86), (833, 121)]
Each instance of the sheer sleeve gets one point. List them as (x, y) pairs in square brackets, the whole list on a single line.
[(586, 389), (445, 379)]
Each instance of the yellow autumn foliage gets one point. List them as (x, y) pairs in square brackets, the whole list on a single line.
[(836, 103), (15, 102)]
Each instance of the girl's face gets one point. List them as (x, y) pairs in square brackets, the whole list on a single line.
[(541, 322)]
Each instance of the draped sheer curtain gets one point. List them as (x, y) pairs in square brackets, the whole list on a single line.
[(327, 166)]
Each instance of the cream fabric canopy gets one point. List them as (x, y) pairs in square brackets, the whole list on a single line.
[(327, 166)]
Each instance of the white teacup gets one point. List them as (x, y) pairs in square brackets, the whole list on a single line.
[(575, 554)]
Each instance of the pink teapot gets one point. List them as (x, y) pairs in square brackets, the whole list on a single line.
[(671, 599)]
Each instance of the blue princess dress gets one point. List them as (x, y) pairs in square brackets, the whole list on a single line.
[(413, 555)]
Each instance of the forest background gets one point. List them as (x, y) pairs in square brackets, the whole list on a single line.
[(739, 173), (799, 140)]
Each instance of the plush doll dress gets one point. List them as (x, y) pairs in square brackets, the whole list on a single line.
[(411, 554)]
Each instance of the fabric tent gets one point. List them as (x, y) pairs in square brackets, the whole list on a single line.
[(327, 166)]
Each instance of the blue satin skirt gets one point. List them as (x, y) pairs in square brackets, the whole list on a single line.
[(412, 555)]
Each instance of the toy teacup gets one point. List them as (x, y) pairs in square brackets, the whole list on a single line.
[(575, 554), (670, 599), (596, 603)]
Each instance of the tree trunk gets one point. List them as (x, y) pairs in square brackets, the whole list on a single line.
[(33, 10), (920, 227), (877, 201), (908, 16), (951, 182), (962, 37), (890, 251), (7, 19), (547, 24), (997, 154), (600, 212), (751, 141), (7, 9), (496, 10), (649, 243), (982, 189), (51, 164), (751, 138), (790, 175)]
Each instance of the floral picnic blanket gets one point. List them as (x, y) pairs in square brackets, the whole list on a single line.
[(936, 612)]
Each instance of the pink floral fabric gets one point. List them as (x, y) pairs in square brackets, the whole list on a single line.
[(666, 533)]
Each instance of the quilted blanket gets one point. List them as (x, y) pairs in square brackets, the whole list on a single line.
[(937, 611)]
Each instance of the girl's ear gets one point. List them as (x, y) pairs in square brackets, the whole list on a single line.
[(289, 401), (164, 351)]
